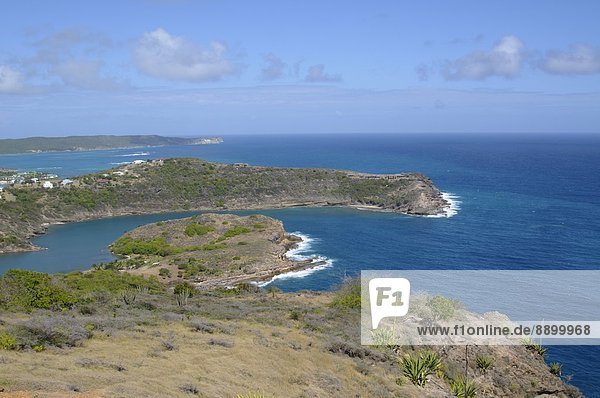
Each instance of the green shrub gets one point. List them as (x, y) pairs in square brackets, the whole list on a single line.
[(484, 363), (7, 341), (183, 291), (109, 281), (442, 308), (164, 272), (556, 368), (28, 290), (198, 229), (348, 296), (235, 231), (212, 246), (127, 245), (461, 387)]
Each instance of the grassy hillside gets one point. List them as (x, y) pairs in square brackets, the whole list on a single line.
[(110, 334), (74, 143), (188, 184)]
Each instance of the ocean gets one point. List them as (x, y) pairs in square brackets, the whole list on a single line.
[(524, 201)]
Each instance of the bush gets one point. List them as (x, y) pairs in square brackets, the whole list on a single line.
[(7, 341), (164, 272), (235, 231), (56, 331), (195, 228), (484, 363), (29, 290), (221, 343), (442, 308), (127, 245), (349, 296), (183, 291), (189, 388), (99, 282)]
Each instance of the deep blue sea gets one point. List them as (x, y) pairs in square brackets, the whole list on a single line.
[(528, 201)]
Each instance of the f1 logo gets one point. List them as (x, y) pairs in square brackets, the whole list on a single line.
[(389, 297)]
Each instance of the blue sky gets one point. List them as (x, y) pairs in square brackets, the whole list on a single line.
[(182, 67)]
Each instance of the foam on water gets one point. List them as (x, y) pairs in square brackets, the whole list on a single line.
[(451, 209), (301, 253), (135, 154)]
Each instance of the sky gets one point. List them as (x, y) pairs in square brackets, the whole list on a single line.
[(204, 67)]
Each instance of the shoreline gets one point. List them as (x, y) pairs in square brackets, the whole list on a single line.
[(317, 262), (39, 152), (127, 213)]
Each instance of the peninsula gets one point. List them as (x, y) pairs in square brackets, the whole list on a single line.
[(208, 250), (168, 185), (95, 142)]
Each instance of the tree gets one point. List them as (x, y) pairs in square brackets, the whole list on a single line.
[(183, 291), (272, 290)]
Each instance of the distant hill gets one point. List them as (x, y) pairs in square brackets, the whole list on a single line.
[(94, 142)]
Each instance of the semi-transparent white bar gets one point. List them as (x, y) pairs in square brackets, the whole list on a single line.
[(496, 307)]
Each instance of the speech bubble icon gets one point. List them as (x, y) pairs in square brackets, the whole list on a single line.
[(388, 297)]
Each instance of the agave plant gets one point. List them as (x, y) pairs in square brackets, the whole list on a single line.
[(484, 363), (461, 387)]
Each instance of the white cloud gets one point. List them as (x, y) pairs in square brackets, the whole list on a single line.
[(504, 59), (165, 56), (580, 59), (273, 69), (84, 74), (11, 81), (317, 74)]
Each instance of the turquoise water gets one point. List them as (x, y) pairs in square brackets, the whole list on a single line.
[(528, 202)]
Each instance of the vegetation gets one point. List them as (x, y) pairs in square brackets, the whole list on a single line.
[(128, 335), (556, 369), (28, 290), (349, 296), (235, 231), (535, 347), (461, 387), (198, 229), (183, 184), (442, 308), (45, 144), (416, 369), (484, 363)]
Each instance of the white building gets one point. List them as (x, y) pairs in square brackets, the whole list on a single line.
[(66, 182), (139, 161), (48, 185)]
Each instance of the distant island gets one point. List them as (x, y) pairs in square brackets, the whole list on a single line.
[(95, 142)]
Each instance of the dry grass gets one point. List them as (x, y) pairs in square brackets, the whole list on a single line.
[(221, 346)]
